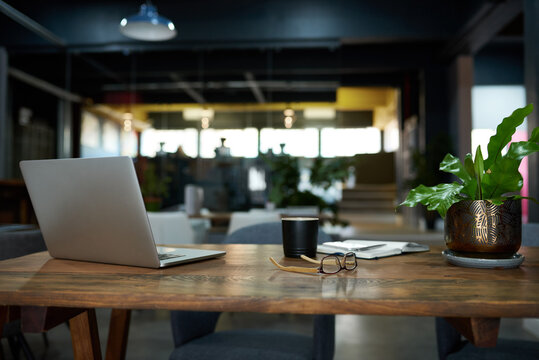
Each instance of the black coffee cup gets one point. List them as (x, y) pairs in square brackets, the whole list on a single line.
[(300, 236)]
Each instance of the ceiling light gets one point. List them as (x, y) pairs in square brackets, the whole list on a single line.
[(195, 114), (319, 113), (128, 125), (288, 112), (205, 122), (288, 121), (289, 118), (127, 121), (147, 25)]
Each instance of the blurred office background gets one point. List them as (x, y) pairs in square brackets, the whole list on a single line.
[(380, 91)]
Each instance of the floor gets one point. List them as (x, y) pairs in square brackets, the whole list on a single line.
[(357, 337)]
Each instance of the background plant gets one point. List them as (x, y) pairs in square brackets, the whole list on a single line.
[(495, 178), (285, 179), (153, 185), (325, 172)]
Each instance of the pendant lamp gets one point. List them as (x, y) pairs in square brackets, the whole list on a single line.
[(147, 25)]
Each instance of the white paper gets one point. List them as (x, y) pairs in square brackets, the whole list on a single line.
[(389, 248)]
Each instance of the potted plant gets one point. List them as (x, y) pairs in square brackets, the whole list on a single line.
[(153, 188), (482, 210)]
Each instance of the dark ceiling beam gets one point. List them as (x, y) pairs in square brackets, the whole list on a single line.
[(492, 17), (195, 95), (102, 68), (253, 85), (31, 25), (45, 86), (277, 85), (196, 46)]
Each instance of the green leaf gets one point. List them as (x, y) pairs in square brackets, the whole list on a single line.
[(535, 135), (519, 150), (469, 165), (470, 187), (504, 132), (479, 172), (439, 197), (499, 201), (452, 165), (503, 177), (519, 197)]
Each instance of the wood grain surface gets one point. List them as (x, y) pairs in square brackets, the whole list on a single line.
[(85, 336), (422, 284)]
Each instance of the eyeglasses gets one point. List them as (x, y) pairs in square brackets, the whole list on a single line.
[(329, 264)]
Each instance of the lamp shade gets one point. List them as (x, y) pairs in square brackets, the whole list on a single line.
[(147, 25)]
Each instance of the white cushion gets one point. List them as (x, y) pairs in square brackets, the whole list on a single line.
[(171, 228), (243, 219)]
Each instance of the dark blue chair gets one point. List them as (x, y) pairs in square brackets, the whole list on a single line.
[(194, 332), (265, 233), (14, 244), (452, 347)]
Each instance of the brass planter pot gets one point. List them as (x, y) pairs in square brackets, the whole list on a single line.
[(481, 229)]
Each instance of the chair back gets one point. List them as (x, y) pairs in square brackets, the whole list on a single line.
[(530, 234), (19, 243), (239, 220), (265, 233), (271, 233), (171, 228), (301, 211)]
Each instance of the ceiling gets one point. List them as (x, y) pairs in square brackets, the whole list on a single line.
[(241, 51)]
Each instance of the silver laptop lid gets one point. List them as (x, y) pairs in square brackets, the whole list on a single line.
[(91, 209)]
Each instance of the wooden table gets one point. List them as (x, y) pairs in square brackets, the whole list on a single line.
[(421, 284)]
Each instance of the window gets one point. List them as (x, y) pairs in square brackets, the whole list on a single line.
[(242, 142), (129, 143), (391, 136), (99, 137), (349, 142), (297, 142), (111, 138), (490, 104), (257, 179), (151, 140), (90, 130)]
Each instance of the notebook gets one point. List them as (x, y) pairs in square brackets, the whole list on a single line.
[(92, 210), (371, 249)]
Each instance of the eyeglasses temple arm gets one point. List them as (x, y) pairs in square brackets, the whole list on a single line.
[(293, 268), (306, 258)]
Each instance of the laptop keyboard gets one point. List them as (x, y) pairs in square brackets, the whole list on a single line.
[(166, 256)]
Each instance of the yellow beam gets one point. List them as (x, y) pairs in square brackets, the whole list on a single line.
[(380, 100), (367, 98)]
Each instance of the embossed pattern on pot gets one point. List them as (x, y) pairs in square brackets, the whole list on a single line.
[(480, 226)]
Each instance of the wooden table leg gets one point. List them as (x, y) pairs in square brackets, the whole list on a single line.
[(482, 332), (84, 336), (118, 333)]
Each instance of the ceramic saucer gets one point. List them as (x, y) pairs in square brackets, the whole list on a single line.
[(506, 263)]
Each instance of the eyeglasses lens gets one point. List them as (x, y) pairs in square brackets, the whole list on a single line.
[(350, 261), (331, 264)]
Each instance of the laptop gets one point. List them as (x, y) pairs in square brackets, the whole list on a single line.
[(92, 210)]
